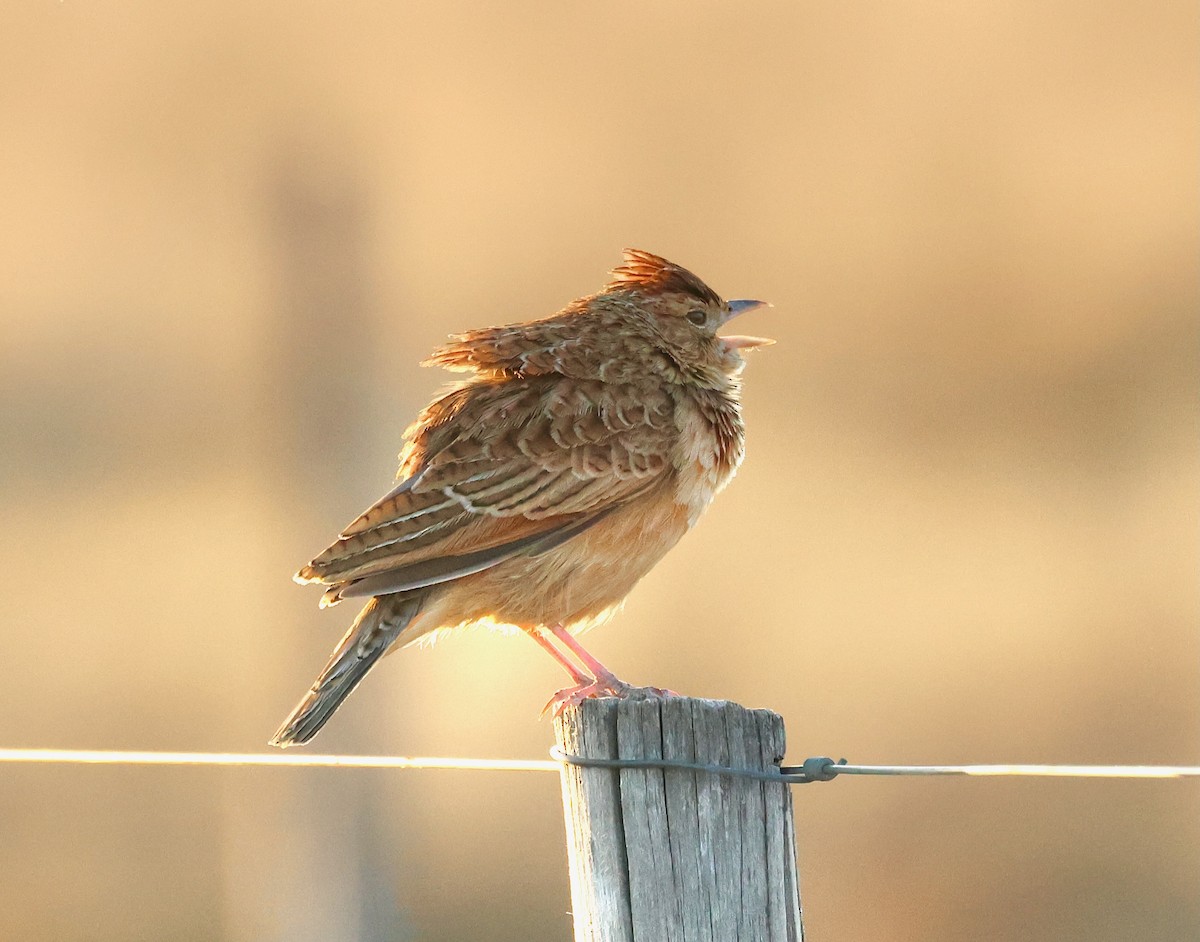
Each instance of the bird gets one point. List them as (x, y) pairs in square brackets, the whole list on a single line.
[(536, 493)]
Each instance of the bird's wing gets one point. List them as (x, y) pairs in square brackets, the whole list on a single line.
[(496, 469)]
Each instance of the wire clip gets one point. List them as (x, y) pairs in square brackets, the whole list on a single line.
[(814, 769)]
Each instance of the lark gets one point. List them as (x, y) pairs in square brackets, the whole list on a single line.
[(536, 493)]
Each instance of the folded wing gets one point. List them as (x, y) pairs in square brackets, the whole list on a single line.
[(522, 468)]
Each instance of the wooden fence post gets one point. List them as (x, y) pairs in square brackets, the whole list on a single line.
[(670, 855)]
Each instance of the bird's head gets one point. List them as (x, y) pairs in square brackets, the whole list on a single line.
[(681, 316)]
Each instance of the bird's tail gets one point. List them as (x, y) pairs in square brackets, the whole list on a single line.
[(377, 626)]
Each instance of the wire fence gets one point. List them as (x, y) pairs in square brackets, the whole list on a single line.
[(815, 769), (296, 760)]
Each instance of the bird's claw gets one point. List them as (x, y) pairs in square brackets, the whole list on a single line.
[(604, 687)]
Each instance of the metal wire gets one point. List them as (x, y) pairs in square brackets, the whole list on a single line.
[(1051, 771), (825, 769), (119, 757), (815, 769), (773, 775)]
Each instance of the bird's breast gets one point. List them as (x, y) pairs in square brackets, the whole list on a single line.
[(711, 445)]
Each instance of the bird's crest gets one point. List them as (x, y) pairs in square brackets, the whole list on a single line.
[(655, 275)]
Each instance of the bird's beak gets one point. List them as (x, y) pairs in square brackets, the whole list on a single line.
[(744, 343), (739, 342), (741, 307)]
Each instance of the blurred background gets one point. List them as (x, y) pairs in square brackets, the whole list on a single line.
[(966, 530)]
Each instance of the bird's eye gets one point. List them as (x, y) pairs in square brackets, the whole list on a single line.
[(698, 317)]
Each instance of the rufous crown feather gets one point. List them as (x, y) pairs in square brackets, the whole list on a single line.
[(652, 274)]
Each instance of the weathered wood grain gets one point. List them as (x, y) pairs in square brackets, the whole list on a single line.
[(670, 855)]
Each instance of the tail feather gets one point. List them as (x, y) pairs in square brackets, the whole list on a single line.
[(377, 626)]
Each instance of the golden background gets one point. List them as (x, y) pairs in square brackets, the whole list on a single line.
[(966, 530)]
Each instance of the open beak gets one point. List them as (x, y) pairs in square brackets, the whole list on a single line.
[(744, 343)]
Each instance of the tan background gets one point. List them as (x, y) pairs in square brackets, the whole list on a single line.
[(966, 531)]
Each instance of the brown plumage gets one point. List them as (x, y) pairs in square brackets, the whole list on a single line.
[(537, 492)]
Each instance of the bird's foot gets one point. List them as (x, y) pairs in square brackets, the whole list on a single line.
[(605, 686)]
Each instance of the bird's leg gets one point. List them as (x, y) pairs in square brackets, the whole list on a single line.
[(605, 684), (599, 671), (571, 668)]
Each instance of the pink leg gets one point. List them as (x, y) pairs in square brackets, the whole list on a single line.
[(599, 671), (606, 683), (577, 675)]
